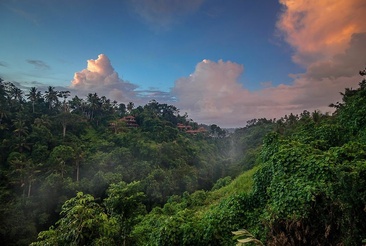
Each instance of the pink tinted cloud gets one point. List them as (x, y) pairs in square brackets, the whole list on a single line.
[(319, 29), (329, 40), (206, 90), (213, 94), (346, 63), (100, 77)]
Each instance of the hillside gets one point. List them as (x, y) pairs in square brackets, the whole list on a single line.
[(308, 188), (94, 172), (53, 147)]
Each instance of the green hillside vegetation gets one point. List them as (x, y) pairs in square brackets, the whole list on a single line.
[(77, 172), (200, 218), (53, 147)]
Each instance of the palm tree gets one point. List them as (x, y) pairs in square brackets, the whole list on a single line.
[(51, 97), (79, 157), (94, 104), (316, 116), (65, 95), (33, 96), (24, 171), (14, 96), (3, 114), (130, 106), (16, 93), (20, 131), (121, 109), (2, 89), (66, 119), (44, 120)]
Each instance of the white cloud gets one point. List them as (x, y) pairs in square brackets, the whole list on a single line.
[(213, 94), (100, 77), (328, 38)]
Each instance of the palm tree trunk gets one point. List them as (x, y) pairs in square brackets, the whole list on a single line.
[(77, 171), (29, 188), (63, 130)]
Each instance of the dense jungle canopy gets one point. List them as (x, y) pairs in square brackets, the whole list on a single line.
[(91, 171)]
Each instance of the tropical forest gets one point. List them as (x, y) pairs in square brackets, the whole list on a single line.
[(92, 171)]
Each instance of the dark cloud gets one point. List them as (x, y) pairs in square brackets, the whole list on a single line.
[(3, 64), (160, 96), (346, 64), (38, 64)]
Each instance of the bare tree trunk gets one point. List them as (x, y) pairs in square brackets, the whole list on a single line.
[(63, 130), (124, 236), (77, 171), (29, 188)]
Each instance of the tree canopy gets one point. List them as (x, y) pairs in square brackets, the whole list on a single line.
[(96, 172)]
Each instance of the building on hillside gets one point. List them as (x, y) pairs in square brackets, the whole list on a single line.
[(123, 123), (188, 129), (183, 127), (130, 121), (199, 130)]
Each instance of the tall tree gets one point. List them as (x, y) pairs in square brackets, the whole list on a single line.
[(24, 171), (64, 95), (67, 119), (83, 222), (51, 97), (130, 106), (33, 96), (124, 202), (21, 132), (122, 109), (60, 158), (16, 93), (94, 104)]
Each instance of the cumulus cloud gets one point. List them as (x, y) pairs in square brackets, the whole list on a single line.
[(211, 89), (38, 64), (213, 94), (328, 38), (320, 29), (160, 14), (100, 77), (343, 64)]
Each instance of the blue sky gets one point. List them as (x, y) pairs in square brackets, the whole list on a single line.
[(155, 49)]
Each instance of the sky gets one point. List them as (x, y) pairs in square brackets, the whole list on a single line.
[(222, 62)]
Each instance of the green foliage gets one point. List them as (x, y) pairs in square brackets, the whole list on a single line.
[(200, 218), (61, 158), (309, 189), (124, 203), (83, 222), (221, 183), (244, 237), (156, 185), (352, 113)]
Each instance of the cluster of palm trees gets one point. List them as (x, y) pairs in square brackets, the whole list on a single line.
[(56, 101)]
